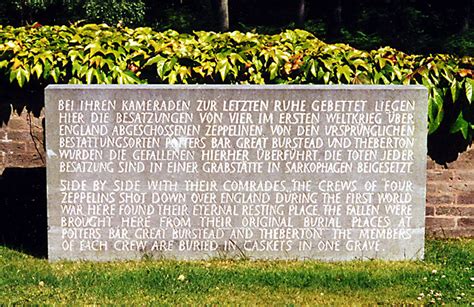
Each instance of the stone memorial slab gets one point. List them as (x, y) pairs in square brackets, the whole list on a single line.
[(264, 172)]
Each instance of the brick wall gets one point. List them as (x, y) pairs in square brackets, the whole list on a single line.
[(450, 197), (21, 141), (450, 188)]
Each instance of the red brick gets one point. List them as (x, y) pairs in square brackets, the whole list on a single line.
[(429, 211), (436, 187), (440, 222), (36, 126), (439, 199), (466, 222), (32, 151), (462, 164), (443, 175), (460, 187), (18, 123), (23, 160), (32, 148), (450, 233), (465, 160), (455, 210), (22, 121), (465, 198), (464, 175), (13, 146), (19, 135), (430, 164)]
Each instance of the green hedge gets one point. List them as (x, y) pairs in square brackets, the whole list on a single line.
[(40, 55)]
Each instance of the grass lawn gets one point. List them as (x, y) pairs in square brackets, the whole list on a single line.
[(446, 276)]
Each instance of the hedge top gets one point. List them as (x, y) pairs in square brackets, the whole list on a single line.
[(40, 55)]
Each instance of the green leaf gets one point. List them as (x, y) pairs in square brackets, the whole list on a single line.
[(12, 75), (438, 98), (344, 70), (314, 68), (94, 48), (469, 85), (460, 125), (361, 78), (447, 75), (273, 69), (161, 67), (455, 90), (55, 74), (397, 72), (236, 58), (98, 76), (89, 74), (427, 81), (223, 66), (154, 60), (74, 81), (164, 66), (76, 67), (328, 63), (21, 77), (38, 69), (130, 78), (435, 111), (326, 77), (3, 64), (172, 77), (46, 69), (361, 63), (382, 62), (183, 73)]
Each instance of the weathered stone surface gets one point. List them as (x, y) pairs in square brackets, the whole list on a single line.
[(192, 172)]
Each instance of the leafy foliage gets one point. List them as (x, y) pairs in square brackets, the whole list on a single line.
[(114, 11), (102, 54)]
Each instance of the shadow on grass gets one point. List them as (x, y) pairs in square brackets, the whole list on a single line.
[(23, 222)]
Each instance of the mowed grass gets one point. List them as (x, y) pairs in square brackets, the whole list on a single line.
[(445, 276)]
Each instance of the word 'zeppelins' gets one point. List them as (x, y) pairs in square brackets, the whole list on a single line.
[(269, 172)]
